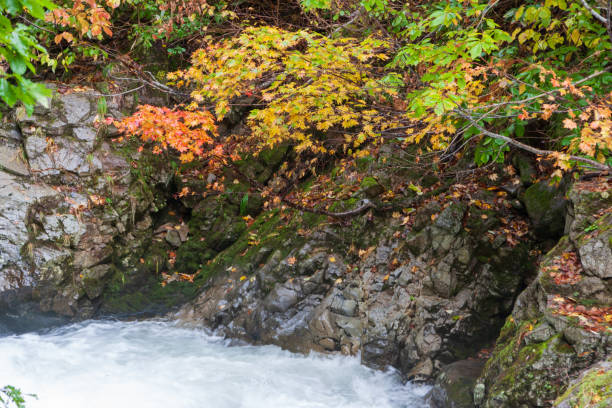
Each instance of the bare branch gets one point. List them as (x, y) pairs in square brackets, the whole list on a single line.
[(543, 94), (120, 93), (531, 149), (594, 13)]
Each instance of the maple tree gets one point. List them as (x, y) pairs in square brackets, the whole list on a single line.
[(444, 76)]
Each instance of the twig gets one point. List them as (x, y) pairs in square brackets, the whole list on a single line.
[(356, 14), (497, 105), (365, 204), (531, 149), (594, 13), (120, 93)]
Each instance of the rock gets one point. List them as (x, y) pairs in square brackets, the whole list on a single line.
[(540, 334), (16, 197), (281, 298), (419, 242), (76, 107), (422, 218), (94, 280), (174, 238), (352, 326), (405, 276), (454, 386), (421, 371), (12, 158), (451, 217), (328, 344), (526, 169), (322, 324), (479, 393), (596, 255), (444, 279), (342, 306), (539, 348), (546, 204), (371, 187), (87, 135), (93, 257), (592, 387)]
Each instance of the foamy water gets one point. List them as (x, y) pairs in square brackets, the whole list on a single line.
[(157, 364)]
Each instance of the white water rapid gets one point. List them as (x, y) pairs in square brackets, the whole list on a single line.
[(103, 364)]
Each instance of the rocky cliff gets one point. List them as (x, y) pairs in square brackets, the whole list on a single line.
[(449, 284), (74, 214)]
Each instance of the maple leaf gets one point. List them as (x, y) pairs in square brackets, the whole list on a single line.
[(569, 124)]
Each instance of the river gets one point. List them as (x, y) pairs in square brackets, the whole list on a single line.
[(150, 364)]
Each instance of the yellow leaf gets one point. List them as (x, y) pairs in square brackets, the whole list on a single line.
[(569, 124)]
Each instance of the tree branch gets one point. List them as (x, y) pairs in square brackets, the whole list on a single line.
[(365, 204), (531, 149), (594, 13), (543, 94)]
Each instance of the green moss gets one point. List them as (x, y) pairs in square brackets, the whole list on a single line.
[(507, 330), (148, 297), (363, 163), (344, 205), (594, 390), (371, 186), (588, 302), (273, 157), (479, 220), (192, 255)]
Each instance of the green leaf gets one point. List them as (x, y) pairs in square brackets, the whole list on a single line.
[(40, 93), (519, 130), (18, 64), (6, 93), (476, 50), (243, 204)]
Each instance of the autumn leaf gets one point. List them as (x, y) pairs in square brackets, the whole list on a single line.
[(569, 124)]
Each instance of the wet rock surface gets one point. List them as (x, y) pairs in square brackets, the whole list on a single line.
[(412, 298), (454, 386), (70, 207), (558, 327)]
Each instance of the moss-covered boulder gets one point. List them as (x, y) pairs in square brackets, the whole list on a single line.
[(546, 204), (592, 388), (455, 384)]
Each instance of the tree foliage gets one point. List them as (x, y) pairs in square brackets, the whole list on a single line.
[(20, 51), (11, 397), (350, 77), (308, 90)]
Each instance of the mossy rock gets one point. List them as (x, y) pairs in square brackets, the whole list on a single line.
[(526, 169), (146, 296), (531, 374), (192, 255), (274, 157), (225, 232), (455, 383), (546, 204), (592, 388), (371, 187)]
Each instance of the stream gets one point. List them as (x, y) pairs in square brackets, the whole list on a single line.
[(150, 364)]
